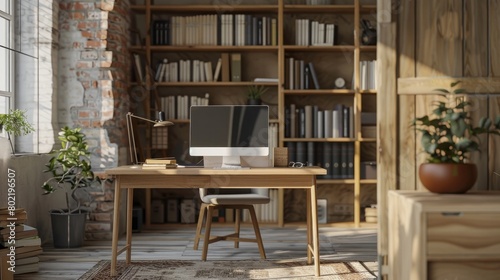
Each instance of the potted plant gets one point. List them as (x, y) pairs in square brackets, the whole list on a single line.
[(15, 124), (71, 172), (448, 136), (254, 94)]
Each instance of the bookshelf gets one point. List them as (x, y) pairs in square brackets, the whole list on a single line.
[(266, 52)]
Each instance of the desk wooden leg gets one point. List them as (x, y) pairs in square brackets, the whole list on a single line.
[(116, 226), (314, 221), (130, 206), (309, 227)]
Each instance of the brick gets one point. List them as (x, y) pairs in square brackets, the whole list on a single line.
[(89, 55), (97, 226), (84, 65), (102, 217)]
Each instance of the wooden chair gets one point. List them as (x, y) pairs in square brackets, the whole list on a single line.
[(234, 199)]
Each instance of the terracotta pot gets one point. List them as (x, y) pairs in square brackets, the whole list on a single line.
[(448, 177)]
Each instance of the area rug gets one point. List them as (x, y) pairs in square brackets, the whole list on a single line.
[(267, 269)]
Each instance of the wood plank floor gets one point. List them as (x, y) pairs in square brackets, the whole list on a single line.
[(340, 244)]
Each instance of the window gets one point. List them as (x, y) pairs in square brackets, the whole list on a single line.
[(6, 55)]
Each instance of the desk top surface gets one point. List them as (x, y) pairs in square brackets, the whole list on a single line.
[(138, 170)]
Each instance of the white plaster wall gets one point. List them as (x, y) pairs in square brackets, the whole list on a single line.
[(29, 177)]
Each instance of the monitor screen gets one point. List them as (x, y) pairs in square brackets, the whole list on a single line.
[(230, 131)]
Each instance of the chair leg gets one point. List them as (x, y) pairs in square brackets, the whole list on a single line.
[(257, 232), (237, 222), (208, 226), (203, 207)]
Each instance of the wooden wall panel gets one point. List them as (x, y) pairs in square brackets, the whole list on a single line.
[(407, 153), (439, 51), (386, 125), (439, 33), (494, 38), (476, 65), (475, 39), (494, 104), (493, 150)]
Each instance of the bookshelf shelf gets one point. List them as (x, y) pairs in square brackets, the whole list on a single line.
[(213, 84), (338, 48), (327, 61), (318, 92), (215, 8), (202, 48)]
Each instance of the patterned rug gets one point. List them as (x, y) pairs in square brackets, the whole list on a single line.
[(268, 269)]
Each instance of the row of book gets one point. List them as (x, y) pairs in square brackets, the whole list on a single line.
[(177, 106), (314, 33), (300, 74), (227, 68), (23, 238), (213, 29), (336, 157), (311, 122)]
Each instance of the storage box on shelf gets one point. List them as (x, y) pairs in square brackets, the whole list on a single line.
[(307, 53)]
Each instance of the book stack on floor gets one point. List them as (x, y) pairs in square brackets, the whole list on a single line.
[(159, 163), (20, 240)]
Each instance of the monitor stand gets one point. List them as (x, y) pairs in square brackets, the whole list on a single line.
[(231, 162)]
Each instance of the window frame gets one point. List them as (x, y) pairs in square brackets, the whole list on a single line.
[(10, 17)]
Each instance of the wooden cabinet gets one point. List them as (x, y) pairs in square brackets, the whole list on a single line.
[(435, 236), (269, 58)]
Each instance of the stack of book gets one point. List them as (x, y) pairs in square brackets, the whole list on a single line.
[(20, 239), (159, 163)]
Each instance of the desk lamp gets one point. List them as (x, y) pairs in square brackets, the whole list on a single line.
[(131, 135)]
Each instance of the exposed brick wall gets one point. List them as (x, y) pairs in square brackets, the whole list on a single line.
[(93, 95)]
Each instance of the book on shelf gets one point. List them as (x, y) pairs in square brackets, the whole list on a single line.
[(165, 160), (28, 260), (22, 242), (225, 67), (21, 231), (23, 252), (158, 165), (8, 221), (235, 67), (266, 80), (5, 210), (217, 70), (27, 268)]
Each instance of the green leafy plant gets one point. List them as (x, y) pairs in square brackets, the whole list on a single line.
[(71, 169), (447, 133), (256, 91), (15, 124)]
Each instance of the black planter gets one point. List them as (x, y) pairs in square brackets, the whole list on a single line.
[(254, 102), (68, 230)]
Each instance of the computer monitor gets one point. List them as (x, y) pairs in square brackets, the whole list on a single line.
[(230, 131)]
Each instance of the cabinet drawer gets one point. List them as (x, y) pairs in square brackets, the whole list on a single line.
[(463, 235), (464, 270)]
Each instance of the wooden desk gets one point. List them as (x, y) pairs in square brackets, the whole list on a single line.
[(134, 177)]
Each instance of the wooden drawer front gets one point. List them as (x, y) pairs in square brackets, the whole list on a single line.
[(464, 235), (464, 270)]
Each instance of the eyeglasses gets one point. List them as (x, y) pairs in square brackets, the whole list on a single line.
[(297, 164)]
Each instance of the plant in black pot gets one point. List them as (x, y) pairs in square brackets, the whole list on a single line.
[(72, 173), (448, 136), (254, 94), (15, 124)]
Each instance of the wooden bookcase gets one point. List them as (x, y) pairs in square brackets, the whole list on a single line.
[(271, 61)]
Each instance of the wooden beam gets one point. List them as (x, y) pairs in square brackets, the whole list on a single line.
[(426, 85)]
